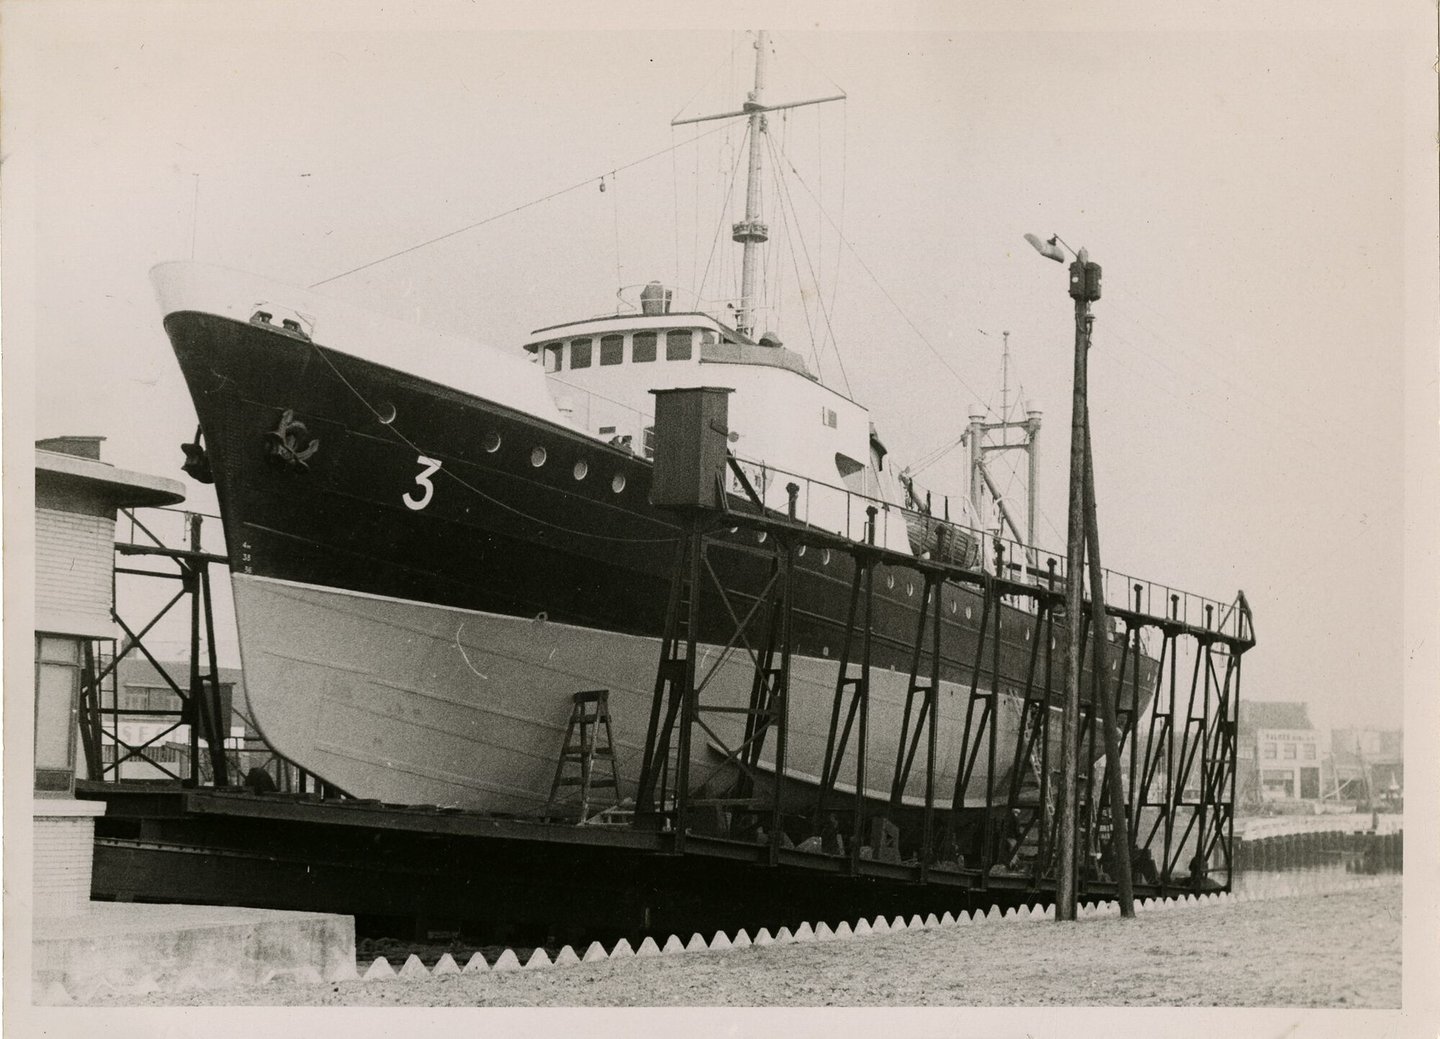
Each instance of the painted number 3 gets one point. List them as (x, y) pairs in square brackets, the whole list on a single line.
[(429, 466)]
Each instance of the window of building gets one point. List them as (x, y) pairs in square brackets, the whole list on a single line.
[(1289, 752), (644, 348), (1267, 751), (551, 353), (1308, 752), (1278, 784), (57, 699), (579, 353), (678, 344), (708, 337), (612, 349)]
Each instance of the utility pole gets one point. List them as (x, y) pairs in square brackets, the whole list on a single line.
[(1066, 878), (1084, 539)]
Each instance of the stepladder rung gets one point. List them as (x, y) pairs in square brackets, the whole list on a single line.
[(587, 756)]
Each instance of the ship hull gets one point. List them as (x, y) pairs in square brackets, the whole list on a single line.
[(413, 703), (421, 594)]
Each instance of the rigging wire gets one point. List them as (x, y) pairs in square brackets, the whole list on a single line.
[(795, 264), (824, 313), (844, 180), (728, 60), (720, 224), (886, 292), (587, 182), (615, 213)]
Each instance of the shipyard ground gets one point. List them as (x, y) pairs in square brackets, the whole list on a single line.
[(1339, 950)]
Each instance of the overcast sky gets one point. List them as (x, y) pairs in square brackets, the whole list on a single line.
[(1244, 191)]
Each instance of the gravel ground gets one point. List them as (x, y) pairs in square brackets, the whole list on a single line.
[(1336, 950)]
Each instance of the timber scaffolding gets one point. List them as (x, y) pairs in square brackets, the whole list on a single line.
[(685, 858)]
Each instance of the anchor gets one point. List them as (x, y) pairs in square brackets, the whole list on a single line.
[(290, 443)]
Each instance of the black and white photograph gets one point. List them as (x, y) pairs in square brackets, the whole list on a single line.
[(815, 519)]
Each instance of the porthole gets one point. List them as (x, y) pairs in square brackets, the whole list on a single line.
[(889, 580), (618, 483), (909, 587), (492, 442), (1052, 643), (1027, 634), (800, 551), (1114, 665), (582, 470), (967, 613), (537, 457), (953, 607), (760, 537), (385, 413), (824, 557)]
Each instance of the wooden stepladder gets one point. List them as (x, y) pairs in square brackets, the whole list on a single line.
[(589, 744)]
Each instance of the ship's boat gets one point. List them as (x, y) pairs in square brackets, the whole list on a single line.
[(434, 543)]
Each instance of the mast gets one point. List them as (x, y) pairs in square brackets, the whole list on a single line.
[(751, 232)]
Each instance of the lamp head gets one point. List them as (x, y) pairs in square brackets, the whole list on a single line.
[(1049, 249)]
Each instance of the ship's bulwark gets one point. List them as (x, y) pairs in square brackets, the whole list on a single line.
[(419, 597)]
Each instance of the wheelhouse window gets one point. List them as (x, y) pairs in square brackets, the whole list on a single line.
[(579, 353), (612, 349), (550, 356), (644, 347), (678, 344)]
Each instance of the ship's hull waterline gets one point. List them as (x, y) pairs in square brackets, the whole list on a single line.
[(419, 597)]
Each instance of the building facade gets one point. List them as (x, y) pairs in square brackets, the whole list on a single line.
[(1278, 754), (77, 497)]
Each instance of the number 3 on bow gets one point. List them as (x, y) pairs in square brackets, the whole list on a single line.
[(427, 489)]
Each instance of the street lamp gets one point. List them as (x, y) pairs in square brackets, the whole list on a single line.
[(1084, 534)]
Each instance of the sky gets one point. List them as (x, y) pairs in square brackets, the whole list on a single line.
[(1242, 183)]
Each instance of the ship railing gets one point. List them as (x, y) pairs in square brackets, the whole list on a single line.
[(603, 417), (843, 510)]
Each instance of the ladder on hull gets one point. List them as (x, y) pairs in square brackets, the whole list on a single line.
[(589, 743)]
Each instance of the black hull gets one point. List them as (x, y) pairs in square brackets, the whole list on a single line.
[(499, 534)]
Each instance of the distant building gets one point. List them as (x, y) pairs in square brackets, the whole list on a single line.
[(1369, 764), (1278, 753), (148, 716)]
